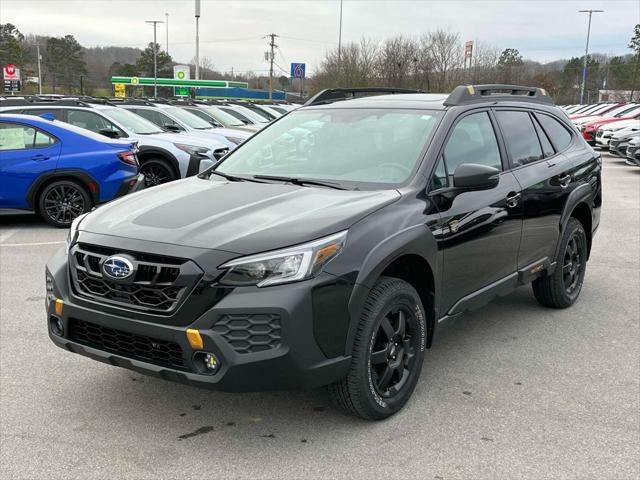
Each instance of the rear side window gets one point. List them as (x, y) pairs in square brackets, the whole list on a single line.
[(558, 134), (89, 121), (14, 136), (520, 137), (547, 148)]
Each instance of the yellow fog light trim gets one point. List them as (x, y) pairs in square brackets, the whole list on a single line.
[(195, 340), (59, 305), (471, 90)]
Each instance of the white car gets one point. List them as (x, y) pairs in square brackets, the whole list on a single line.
[(215, 116), (618, 112), (163, 156), (605, 133), (177, 120)]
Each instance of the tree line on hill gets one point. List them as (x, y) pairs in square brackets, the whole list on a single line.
[(434, 62)]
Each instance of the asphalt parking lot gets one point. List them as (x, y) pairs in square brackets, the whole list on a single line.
[(511, 391)]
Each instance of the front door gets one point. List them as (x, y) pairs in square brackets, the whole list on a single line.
[(25, 154), (479, 231)]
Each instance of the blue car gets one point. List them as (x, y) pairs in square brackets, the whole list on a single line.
[(61, 171)]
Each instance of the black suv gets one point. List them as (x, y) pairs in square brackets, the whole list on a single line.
[(334, 245)]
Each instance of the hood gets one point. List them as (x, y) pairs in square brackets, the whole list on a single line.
[(622, 124), (232, 132), (188, 139), (238, 217)]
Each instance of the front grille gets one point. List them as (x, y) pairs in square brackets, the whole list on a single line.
[(631, 151), (250, 333), (158, 286), (138, 347)]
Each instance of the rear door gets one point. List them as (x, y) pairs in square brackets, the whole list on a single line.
[(544, 173), (25, 154)]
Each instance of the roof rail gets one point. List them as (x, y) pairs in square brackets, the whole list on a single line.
[(64, 102), (465, 94), (331, 95)]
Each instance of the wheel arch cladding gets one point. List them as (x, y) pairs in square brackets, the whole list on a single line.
[(409, 255), (582, 213), (80, 177)]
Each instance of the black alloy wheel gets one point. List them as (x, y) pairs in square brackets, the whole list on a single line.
[(394, 351), (62, 201), (387, 352), (561, 288), (156, 172)]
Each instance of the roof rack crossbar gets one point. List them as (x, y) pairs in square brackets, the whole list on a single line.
[(331, 95), (465, 94)]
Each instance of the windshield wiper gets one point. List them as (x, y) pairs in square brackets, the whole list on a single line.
[(303, 181), (233, 178)]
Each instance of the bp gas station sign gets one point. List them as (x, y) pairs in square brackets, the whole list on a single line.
[(181, 72)]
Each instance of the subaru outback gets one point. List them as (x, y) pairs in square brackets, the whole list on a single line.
[(336, 263)]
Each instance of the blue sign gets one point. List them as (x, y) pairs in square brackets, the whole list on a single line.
[(298, 70)]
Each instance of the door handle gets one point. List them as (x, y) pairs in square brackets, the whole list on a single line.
[(513, 199), (564, 180), (40, 156)]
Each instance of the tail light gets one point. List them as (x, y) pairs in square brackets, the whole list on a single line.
[(129, 158)]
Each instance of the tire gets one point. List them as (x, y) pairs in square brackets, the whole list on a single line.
[(61, 201), (562, 288), (367, 391), (156, 172)]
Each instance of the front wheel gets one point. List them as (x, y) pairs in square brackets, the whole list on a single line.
[(387, 355), (562, 288), (156, 172), (62, 201)]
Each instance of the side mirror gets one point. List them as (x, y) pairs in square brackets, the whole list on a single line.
[(172, 128), (107, 132), (475, 176)]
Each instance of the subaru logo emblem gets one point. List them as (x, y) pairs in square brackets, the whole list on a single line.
[(117, 268)]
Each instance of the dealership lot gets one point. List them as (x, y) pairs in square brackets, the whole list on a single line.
[(513, 390)]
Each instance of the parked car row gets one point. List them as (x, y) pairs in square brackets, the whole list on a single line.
[(609, 126), (55, 155)]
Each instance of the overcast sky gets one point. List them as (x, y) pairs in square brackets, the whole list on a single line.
[(231, 31)]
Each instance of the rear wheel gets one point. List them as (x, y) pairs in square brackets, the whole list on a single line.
[(562, 288), (62, 201), (387, 354), (156, 172)]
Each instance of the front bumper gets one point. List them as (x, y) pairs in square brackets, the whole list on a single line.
[(294, 360)]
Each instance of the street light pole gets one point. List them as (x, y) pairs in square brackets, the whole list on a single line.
[(586, 53), (155, 55), (197, 39), (39, 69), (166, 48), (340, 37)]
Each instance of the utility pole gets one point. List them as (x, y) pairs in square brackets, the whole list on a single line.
[(340, 37), (39, 69), (166, 48), (155, 55), (586, 53), (272, 46), (197, 39)]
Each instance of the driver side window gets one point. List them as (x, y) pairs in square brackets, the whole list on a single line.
[(473, 140)]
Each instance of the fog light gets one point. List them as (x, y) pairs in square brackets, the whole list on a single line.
[(56, 325), (206, 363)]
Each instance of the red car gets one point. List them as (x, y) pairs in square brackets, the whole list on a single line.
[(588, 130)]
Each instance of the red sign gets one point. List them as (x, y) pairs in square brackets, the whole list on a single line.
[(11, 72)]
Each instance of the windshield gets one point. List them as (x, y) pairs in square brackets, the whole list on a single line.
[(362, 146), (629, 112), (132, 122), (250, 114), (188, 118), (224, 117)]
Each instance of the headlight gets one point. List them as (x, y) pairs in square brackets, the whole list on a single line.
[(284, 266), (192, 149), (235, 140), (73, 230)]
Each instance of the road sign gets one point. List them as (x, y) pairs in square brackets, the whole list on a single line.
[(298, 70), (10, 72), (119, 89)]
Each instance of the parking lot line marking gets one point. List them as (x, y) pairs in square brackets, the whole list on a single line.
[(7, 234), (30, 244)]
